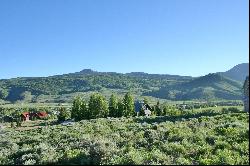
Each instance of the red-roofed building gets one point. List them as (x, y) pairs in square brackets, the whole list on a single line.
[(25, 116), (42, 114)]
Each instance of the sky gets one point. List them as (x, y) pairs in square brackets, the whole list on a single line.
[(180, 37)]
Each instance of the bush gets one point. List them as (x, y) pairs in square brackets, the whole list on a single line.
[(63, 114), (127, 141)]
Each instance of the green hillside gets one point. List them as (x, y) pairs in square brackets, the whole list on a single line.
[(238, 72), (84, 81), (61, 88), (211, 86)]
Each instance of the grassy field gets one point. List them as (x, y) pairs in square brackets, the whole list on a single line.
[(197, 137), (28, 125), (218, 108)]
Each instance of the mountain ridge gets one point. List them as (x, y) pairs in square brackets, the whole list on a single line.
[(238, 72), (245, 70), (166, 86), (210, 86)]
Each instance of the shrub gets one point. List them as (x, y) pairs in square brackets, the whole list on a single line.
[(63, 114)]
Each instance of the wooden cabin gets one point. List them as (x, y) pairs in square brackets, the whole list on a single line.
[(42, 115), (25, 116)]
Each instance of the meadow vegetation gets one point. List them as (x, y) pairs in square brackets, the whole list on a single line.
[(196, 137), (109, 132)]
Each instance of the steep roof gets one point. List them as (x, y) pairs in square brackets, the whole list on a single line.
[(25, 113), (42, 114)]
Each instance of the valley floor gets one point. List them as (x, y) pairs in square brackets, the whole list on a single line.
[(200, 137)]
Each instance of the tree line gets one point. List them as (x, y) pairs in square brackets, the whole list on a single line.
[(99, 107)]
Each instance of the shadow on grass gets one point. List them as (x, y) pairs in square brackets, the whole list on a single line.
[(81, 159)]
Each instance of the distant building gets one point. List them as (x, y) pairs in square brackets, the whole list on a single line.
[(147, 112), (42, 115), (27, 115), (146, 109), (142, 106)]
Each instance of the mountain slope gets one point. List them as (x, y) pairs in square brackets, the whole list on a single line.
[(211, 86), (84, 81), (238, 72), (173, 87)]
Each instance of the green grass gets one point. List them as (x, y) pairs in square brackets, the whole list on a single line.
[(219, 108), (201, 137)]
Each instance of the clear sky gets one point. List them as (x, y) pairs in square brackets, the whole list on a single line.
[(183, 37)]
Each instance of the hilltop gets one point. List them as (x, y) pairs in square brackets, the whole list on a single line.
[(238, 72), (211, 86), (62, 88)]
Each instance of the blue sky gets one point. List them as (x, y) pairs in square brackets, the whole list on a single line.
[(184, 37)]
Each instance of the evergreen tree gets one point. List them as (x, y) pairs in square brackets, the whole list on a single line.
[(17, 118), (98, 106), (63, 114), (165, 110), (120, 106), (79, 109), (157, 109), (129, 108), (113, 106), (3, 93), (75, 111)]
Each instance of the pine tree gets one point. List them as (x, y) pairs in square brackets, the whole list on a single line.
[(120, 106), (157, 109), (129, 108), (75, 111), (165, 110), (98, 106), (17, 117), (63, 114), (79, 109), (113, 106), (3, 93)]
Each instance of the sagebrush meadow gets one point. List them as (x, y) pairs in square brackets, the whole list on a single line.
[(124, 82)]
